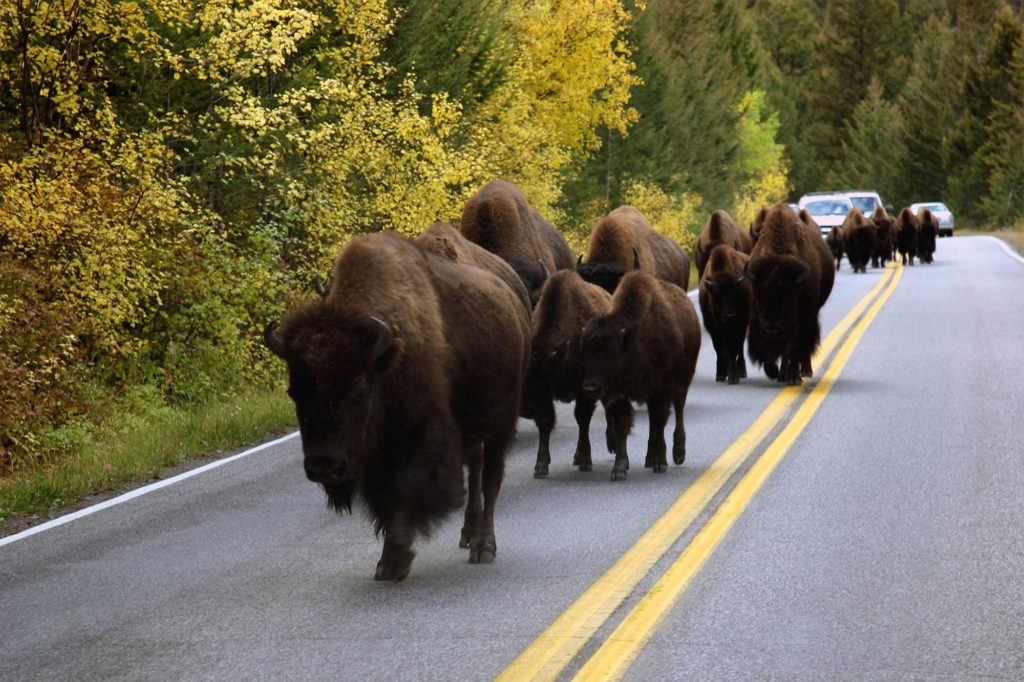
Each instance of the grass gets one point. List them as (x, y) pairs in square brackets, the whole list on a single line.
[(138, 445)]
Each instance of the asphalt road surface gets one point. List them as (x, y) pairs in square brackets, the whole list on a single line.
[(869, 525)]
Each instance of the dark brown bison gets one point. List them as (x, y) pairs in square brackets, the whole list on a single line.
[(883, 237), (835, 244), (928, 230), (499, 218), (644, 350), (624, 241), (566, 305), (858, 240), (443, 240), (725, 306), (906, 227), (791, 273), (719, 229), (410, 367)]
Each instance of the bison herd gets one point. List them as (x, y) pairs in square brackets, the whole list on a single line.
[(414, 364), (880, 237)]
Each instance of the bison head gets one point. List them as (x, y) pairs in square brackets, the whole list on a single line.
[(604, 345), (335, 361), (777, 283), (533, 275), (729, 296)]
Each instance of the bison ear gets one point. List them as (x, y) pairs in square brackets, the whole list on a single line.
[(709, 285), (274, 342)]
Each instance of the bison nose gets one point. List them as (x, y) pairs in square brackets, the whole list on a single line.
[(772, 328), (592, 387), (729, 315), (324, 470)]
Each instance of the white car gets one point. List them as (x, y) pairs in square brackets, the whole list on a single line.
[(865, 199), (941, 213), (828, 209)]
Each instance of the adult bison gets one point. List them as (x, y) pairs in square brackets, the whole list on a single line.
[(791, 274), (834, 239), (499, 219), (720, 228), (566, 305), (644, 350), (624, 241), (928, 230), (724, 298), (883, 237), (410, 367), (858, 240), (445, 241), (906, 227)]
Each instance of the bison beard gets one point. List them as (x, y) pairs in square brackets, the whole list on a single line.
[(397, 383)]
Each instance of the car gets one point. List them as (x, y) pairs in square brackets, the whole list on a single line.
[(828, 209), (866, 200), (941, 213)]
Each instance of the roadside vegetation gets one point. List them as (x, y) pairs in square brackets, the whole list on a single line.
[(174, 173)]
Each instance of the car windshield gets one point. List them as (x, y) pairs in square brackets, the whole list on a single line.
[(935, 207), (865, 204), (827, 207)]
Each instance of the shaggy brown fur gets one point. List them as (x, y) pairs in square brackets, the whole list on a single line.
[(906, 228), (441, 239), (623, 241), (556, 368), (719, 229), (644, 350), (725, 306), (883, 237), (499, 218), (926, 234), (409, 368), (792, 274), (858, 239), (835, 244)]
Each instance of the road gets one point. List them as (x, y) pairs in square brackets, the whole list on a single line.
[(869, 525)]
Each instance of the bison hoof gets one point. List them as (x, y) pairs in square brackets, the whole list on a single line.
[(391, 571), (540, 470), (618, 474), (679, 455), (586, 466), (733, 380), (649, 461), (466, 537), (660, 467), (720, 378), (483, 551)]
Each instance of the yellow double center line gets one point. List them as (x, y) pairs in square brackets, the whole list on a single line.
[(555, 648)]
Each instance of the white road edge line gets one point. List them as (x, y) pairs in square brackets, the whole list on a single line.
[(1006, 247), (67, 518)]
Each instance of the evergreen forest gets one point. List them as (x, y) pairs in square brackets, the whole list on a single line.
[(174, 173)]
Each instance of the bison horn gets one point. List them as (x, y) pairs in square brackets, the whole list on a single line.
[(579, 261), (318, 286), (636, 259), (544, 269), (273, 341), (385, 337)]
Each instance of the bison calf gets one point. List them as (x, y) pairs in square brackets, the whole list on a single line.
[(644, 350), (725, 306), (408, 368)]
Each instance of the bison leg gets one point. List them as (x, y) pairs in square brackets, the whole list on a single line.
[(396, 558), (790, 372), (657, 410), (771, 370), (721, 358), (583, 412), (679, 437), (620, 418), (806, 370), (545, 424), (473, 457), (484, 547)]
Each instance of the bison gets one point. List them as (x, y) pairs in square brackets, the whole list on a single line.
[(928, 230), (444, 240), (724, 298), (834, 239), (791, 274), (906, 227), (410, 367), (719, 229), (883, 237), (644, 350), (624, 241), (858, 240), (566, 305), (499, 219)]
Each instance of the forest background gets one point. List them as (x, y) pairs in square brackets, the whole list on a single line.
[(174, 173)]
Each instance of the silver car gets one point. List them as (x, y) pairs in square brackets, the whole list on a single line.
[(941, 213)]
